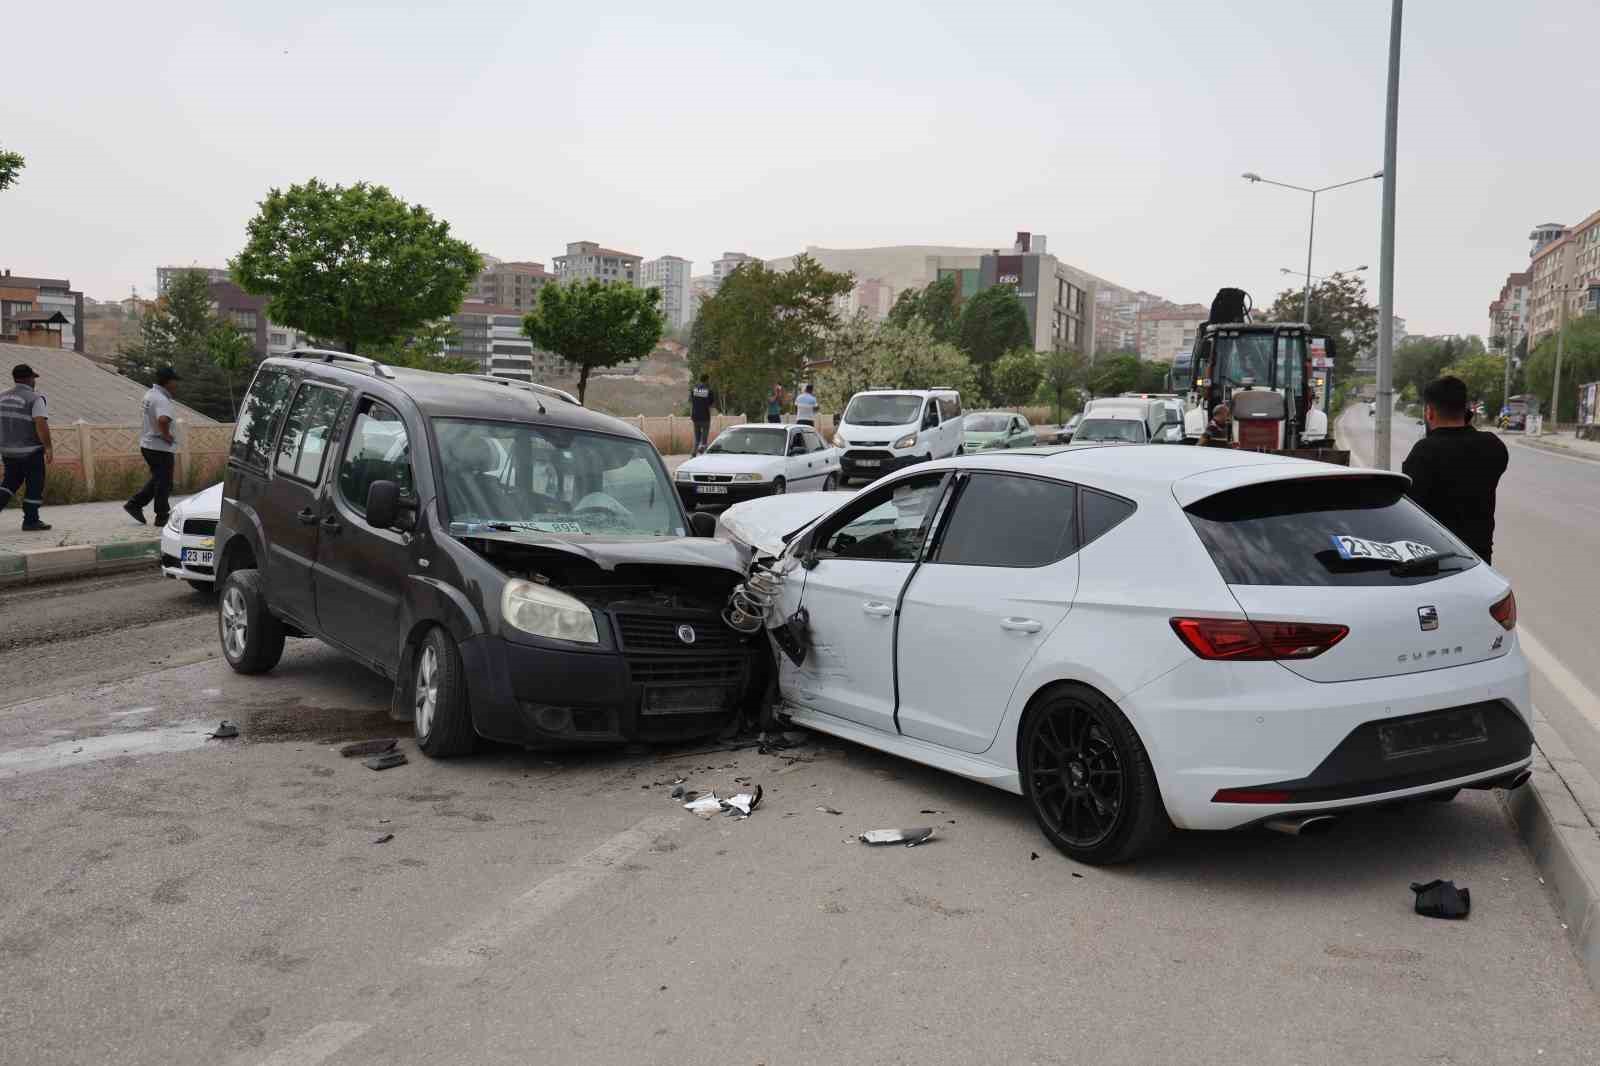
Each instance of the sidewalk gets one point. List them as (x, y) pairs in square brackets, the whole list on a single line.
[(85, 538), (1560, 444)]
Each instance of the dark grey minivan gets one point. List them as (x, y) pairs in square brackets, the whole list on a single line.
[(520, 566)]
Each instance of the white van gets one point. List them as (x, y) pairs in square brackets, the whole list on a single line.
[(882, 430), (1156, 413)]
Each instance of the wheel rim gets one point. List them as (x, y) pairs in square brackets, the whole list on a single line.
[(426, 689), (1075, 774), (778, 487), (235, 623), (829, 484)]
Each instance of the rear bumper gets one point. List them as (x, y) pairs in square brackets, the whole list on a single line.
[(1258, 726)]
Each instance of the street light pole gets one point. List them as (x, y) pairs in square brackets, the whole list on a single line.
[(1311, 234), (1555, 382), (1382, 431)]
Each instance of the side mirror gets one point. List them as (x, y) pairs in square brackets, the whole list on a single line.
[(385, 509), (702, 524)]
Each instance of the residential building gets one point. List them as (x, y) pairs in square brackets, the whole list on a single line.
[(166, 275), (1166, 332), (730, 261), (35, 300), (670, 274), (1508, 314), (1543, 234), (491, 335), (588, 261), (1552, 272), (870, 296), (1585, 240), (510, 283)]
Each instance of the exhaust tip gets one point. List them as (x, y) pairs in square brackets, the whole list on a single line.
[(1306, 825), (1518, 781)]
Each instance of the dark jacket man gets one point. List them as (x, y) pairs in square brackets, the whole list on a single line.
[(1455, 469)]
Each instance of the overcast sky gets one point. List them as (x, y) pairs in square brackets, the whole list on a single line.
[(1119, 129)]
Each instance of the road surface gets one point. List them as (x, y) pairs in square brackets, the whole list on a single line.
[(169, 899)]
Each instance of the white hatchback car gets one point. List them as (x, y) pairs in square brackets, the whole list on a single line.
[(762, 459), (1141, 638), (187, 539)]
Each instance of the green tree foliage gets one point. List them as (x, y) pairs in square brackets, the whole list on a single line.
[(1485, 377), (11, 164), (356, 264), (183, 332), (1421, 360), (1118, 374), (764, 327), (868, 355), (425, 348), (594, 325), (1064, 374), (1339, 309), (939, 305), (1017, 377), (1580, 364), (993, 323)]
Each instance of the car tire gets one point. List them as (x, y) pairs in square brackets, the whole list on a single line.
[(204, 588), (830, 483), (440, 713), (779, 487), (1072, 737), (252, 637)]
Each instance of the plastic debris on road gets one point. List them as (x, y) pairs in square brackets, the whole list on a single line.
[(386, 760), (744, 803), (830, 810), (224, 731), (368, 747), (384, 839), (705, 806), (909, 837), (737, 806), (1442, 899)]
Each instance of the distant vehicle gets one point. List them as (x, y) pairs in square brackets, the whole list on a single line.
[(1111, 427), (758, 460), (1517, 409), (1152, 410), (883, 430), (1063, 432), (987, 430)]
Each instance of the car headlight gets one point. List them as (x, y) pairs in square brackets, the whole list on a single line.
[(175, 521), (747, 477), (907, 441), (547, 612), (839, 441), (682, 475)]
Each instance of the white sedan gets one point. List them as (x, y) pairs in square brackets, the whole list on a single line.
[(745, 462), (187, 539), (1140, 638)]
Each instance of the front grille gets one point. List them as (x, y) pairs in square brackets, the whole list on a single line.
[(659, 634), (714, 479), (200, 527), (855, 455), (870, 444), (704, 670)]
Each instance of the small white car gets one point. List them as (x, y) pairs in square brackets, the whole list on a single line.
[(187, 545), (1162, 637), (884, 430), (748, 461), (1111, 427)]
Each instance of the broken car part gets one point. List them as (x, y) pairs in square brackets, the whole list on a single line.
[(224, 731), (745, 802), (705, 806), (386, 760), (750, 603), (368, 747), (1442, 899), (909, 837)]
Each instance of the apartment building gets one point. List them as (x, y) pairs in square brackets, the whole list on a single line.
[(588, 261), (25, 301), (491, 335), (1166, 332), (167, 274), (1059, 299), (670, 274), (513, 283), (1508, 313), (1585, 238), (727, 264), (871, 296), (1552, 271)]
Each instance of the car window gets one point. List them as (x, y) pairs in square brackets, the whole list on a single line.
[(258, 418), (379, 450), (893, 526), (1004, 520), (949, 406), (307, 431), (1101, 512), (813, 442), (930, 415)]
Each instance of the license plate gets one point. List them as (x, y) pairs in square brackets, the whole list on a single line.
[(867, 462), (712, 490), (197, 555), (692, 700), (1398, 551), (1431, 732)]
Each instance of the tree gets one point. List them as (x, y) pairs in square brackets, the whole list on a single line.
[(1063, 375), (938, 304), (1017, 376), (594, 325), (1108, 377), (765, 327), (11, 164), (869, 355), (1485, 377), (355, 263), (993, 323), (1339, 309), (425, 350), (1421, 360), (181, 330), (1580, 363), (232, 351)]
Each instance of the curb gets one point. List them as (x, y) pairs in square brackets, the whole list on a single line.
[(76, 560), (1553, 449)]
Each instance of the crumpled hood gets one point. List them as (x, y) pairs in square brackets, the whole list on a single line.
[(608, 553), (762, 524), (204, 504)]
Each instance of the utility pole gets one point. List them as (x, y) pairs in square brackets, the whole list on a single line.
[(1561, 347), (1391, 124), (1510, 347)]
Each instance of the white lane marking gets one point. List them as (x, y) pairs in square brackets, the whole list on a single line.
[(63, 753), (1565, 681), (314, 1045), (548, 896)]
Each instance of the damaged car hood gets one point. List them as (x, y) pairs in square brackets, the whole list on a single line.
[(608, 553), (761, 525)]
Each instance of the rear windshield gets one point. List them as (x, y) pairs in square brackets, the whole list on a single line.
[(1323, 531)]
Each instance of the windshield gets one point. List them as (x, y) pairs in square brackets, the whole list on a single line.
[(988, 423), (883, 409), (747, 441), (1116, 429), (1248, 356), (516, 476)]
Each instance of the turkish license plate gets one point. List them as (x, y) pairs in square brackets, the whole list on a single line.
[(199, 556), (1397, 551), (699, 699), (867, 462), (1431, 732), (712, 490)]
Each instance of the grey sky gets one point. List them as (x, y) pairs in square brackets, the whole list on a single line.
[(1117, 128)]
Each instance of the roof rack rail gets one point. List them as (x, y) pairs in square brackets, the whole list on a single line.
[(328, 355), (531, 386)]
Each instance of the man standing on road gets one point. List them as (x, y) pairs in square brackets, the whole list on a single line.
[(24, 445), (159, 448), (1455, 469), (702, 398), (1219, 431), (805, 407)]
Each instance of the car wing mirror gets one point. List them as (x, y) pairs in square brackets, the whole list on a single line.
[(702, 524), (387, 509)]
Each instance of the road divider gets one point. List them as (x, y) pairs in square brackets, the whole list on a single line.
[(54, 562)]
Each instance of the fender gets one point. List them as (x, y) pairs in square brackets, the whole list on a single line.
[(250, 532)]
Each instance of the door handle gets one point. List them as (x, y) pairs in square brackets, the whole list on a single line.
[(308, 516), (878, 610), (1022, 625)]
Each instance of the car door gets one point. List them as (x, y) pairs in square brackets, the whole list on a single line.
[(826, 458), (1021, 435), (933, 440), (291, 513), (1000, 577), (796, 463), (859, 560), (361, 570)]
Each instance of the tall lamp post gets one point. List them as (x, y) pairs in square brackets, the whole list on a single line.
[(1311, 233)]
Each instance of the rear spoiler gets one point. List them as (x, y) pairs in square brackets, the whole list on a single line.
[(1197, 487)]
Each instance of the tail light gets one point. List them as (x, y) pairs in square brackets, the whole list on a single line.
[(1244, 640), (1505, 611), (1252, 795)]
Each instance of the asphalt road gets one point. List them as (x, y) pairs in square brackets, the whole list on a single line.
[(1547, 541), (170, 899)]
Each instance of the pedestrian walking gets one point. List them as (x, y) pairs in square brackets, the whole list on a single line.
[(25, 449), (702, 398), (1219, 431), (159, 448), (775, 404), (805, 406), (1456, 469)]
